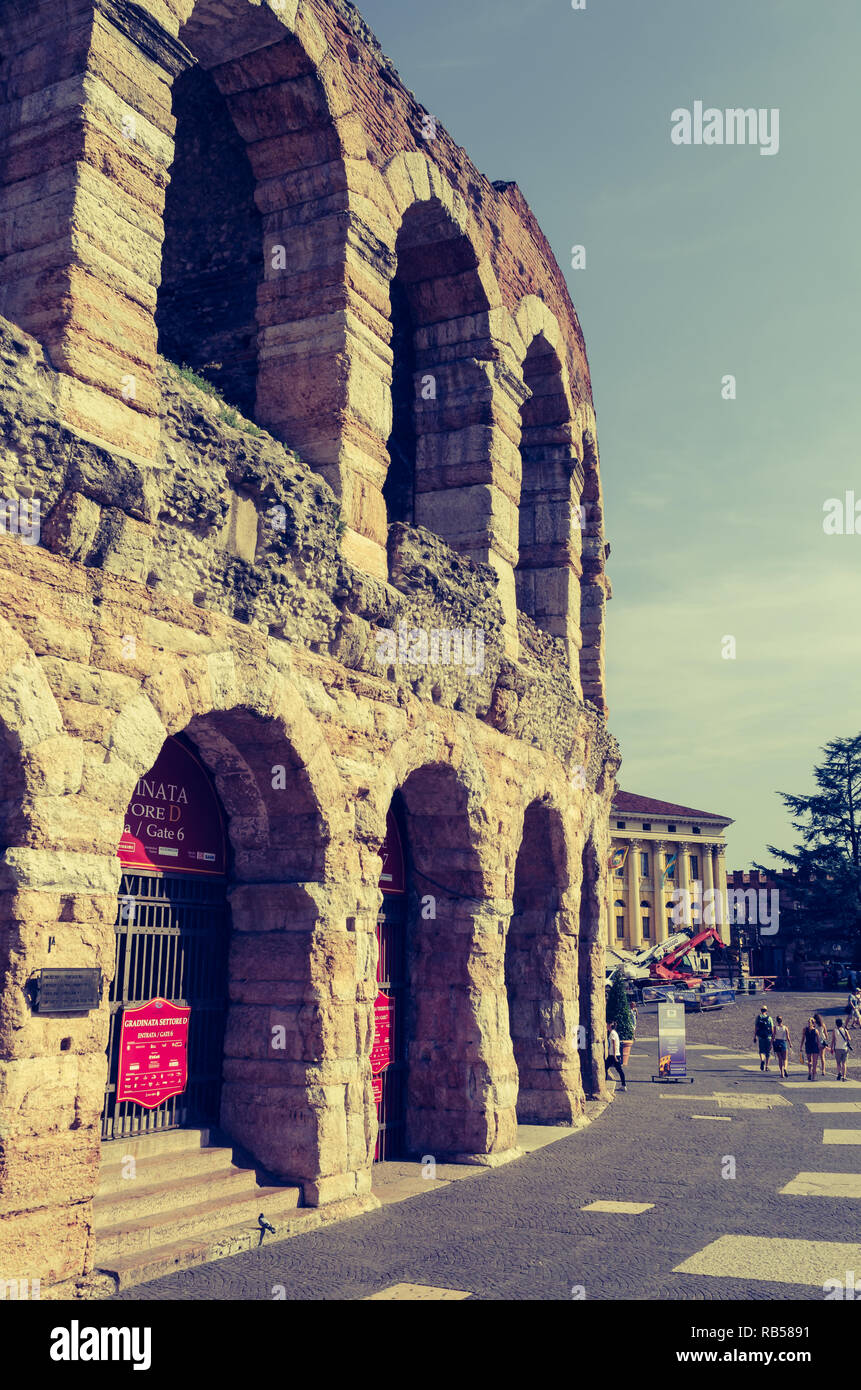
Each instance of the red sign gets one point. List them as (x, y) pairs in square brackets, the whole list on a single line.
[(153, 1053), (393, 878), (173, 823), (381, 1050)]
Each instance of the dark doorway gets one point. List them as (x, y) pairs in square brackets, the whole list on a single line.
[(388, 1055), (400, 485), (212, 260), (171, 942)]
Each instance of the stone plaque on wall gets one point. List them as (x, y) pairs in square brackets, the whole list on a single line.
[(68, 991)]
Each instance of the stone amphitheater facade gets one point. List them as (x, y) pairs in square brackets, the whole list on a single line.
[(404, 442)]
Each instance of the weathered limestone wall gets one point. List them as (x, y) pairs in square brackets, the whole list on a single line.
[(249, 583), (355, 186), (178, 597)]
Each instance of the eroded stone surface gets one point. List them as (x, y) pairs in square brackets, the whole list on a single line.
[(244, 584)]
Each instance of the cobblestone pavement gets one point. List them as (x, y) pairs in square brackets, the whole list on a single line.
[(519, 1232)]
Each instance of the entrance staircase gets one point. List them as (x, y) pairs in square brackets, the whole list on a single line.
[(182, 1202)]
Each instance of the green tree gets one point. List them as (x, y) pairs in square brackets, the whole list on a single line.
[(827, 860), (619, 1010)]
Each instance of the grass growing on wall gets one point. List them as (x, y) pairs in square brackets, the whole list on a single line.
[(226, 413)]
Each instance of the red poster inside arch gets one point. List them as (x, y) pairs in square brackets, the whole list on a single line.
[(153, 1062), (173, 823)]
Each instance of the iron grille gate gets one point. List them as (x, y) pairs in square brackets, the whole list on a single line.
[(392, 1083), (171, 935)]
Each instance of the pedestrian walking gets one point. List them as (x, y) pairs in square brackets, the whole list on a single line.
[(841, 1046), (763, 1033), (810, 1048), (782, 1043), (614, 1056), (824, 1042), (854, 1011)]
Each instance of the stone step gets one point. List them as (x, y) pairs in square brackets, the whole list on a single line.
[(137, 1200), (183, 1163), (196, 1219), (157, 1142), (154, 1262)]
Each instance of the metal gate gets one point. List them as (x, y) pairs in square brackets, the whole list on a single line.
[(171, 941), (390, 1086)]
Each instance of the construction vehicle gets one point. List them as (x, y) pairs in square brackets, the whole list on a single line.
[(658, 964)]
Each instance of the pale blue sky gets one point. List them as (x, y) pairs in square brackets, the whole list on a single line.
[(702, 261)]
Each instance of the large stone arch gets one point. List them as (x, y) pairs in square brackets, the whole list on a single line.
[(290, 102), (295, 957), (591, 958), (293, 961), (550, 479), (595, 587), (541, 967), (461, 1075), (443, 286)]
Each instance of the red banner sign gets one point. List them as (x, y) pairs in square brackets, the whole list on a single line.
[(173, 823), (153, 1064), (381, 1050), (393, 878)]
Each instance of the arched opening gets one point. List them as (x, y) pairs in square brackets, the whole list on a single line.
[(593, 585), (435, 289), (256, 228), (591, 974), (548, 565), (248, 960), (212, 258), (399, 489), (388, 1050), (539, 964), (168, 996), (437, 1031)]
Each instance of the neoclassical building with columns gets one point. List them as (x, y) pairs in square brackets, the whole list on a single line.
[(659, 847), (306, 772)]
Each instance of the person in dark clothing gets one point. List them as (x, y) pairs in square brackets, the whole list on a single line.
[(810, 1044), (614, 1055), (763, 1032)]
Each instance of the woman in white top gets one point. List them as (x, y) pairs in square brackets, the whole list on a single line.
[(782, 1044)]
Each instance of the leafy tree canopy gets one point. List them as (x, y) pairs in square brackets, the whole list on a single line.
[(827, 859)]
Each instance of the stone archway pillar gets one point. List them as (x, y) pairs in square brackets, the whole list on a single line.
[(462, 1075), (88, 130), (294, 1082)]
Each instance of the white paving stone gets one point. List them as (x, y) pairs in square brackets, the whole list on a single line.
[(774, 1260)]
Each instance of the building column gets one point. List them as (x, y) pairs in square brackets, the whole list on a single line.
[(634, 929), (683, 881), (721, 885), (708, 879), (659, 853)]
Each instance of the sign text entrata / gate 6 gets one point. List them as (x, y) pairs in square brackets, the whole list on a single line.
[(153, 1053)]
